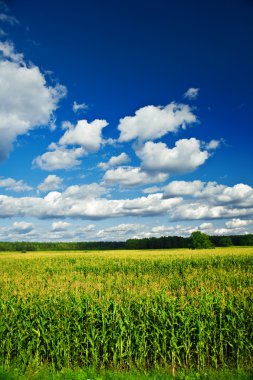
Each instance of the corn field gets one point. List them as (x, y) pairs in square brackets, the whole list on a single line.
[(127, 309)]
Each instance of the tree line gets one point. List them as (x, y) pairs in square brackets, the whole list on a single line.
[(196, 240)]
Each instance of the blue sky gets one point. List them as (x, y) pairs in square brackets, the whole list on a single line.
[(125, 119)]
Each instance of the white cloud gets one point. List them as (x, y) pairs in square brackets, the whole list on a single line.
[(84, 202), (206, 202), (239, 194), (182, 188), (66, 125), (86, 233), (8, 51), (158, 162), (77, 107), (222, 231), (210, 200), (75, 232), (162, 230), (26, 101), (171, 230), (91, 191), (238, 223), (131, 176), (179, 230), (151, 190), (59, 158), (185, 157), (186, 230), (22, 227), (14, 185), (60, 226), (192, 93), (51, 182), (87, 135), (115, 161), (206, 226), (213, 144), (198, 210), (89, 228), (119, 232), (153, 122), (196, 189)]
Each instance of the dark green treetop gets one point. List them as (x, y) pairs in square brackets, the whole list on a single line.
[(200, 240)]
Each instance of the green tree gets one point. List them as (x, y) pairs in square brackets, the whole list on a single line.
[(221, 241), (200, 240)]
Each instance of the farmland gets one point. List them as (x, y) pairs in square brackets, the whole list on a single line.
[(127, 310)]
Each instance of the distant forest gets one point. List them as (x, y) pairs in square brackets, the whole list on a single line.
[(146, 243)]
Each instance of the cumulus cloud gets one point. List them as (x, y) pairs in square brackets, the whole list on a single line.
[(151, 122), (238, 223), (151, 190), (77, 107), (115, 161), (158, 162), (162, 230), (60, 226), (89, 228), (213, 144), (93, 190), (51, 182), (69, 232), (200, 201), (217, 194), (22, 227), (240, 194), (185, 157), (168, 230), (119, 232), (8, 51), (206, 226), (14, 185), (182, 188), (198, 210), (87, 135), (84, 202), (222, 231), (192, 93), (210, 200), (176, 230), (26, 100), (59, 158), (129, 176), (196, 189), (186, 230)]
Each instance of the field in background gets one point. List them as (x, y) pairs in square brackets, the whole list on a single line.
[(127, 309)]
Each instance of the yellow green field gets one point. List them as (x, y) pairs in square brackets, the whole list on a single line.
[(127, 309)]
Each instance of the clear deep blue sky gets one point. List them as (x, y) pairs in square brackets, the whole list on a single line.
[(118, 57)]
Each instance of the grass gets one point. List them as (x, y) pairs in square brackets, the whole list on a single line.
[(90, 374), (127, 311)]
